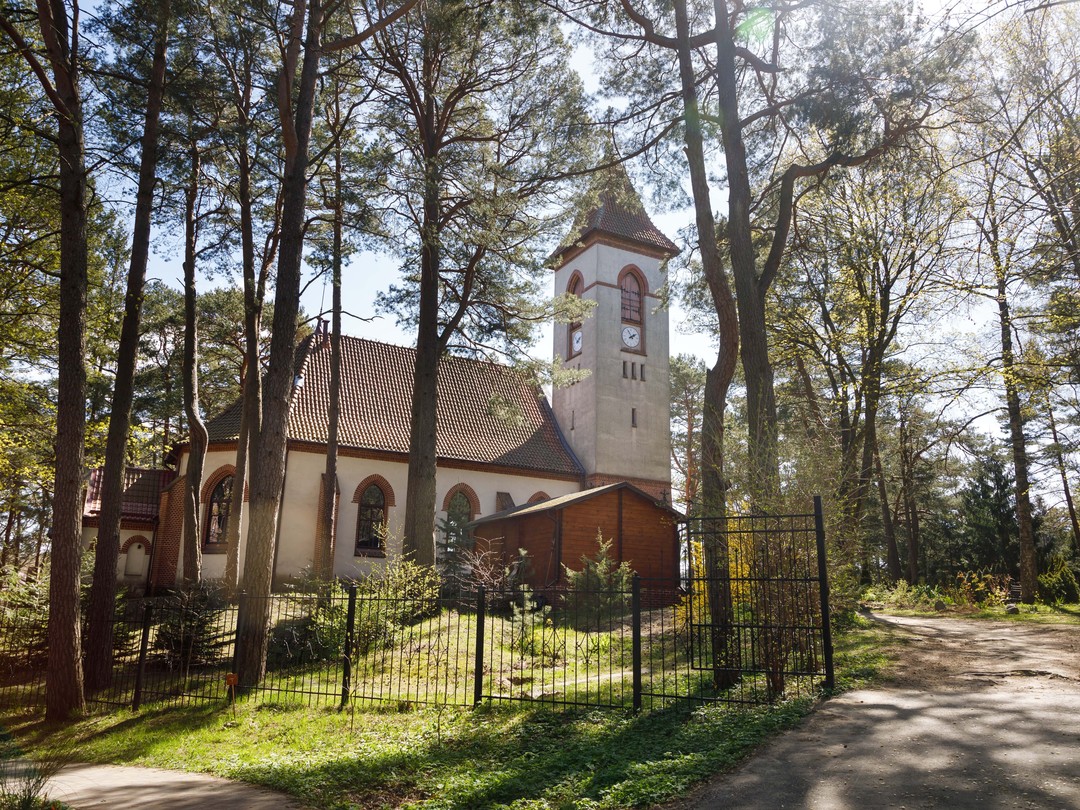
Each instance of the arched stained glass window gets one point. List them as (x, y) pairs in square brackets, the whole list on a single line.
[(217, 513), (371, 520)]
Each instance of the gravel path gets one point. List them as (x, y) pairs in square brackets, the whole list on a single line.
[(977, 715)]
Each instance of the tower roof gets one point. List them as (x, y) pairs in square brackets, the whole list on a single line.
[(618, 213)]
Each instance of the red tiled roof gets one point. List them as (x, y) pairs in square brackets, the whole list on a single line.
[(376, 404), (618, 212), (142, 492)]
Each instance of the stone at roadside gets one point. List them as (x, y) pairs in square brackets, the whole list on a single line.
[(1012, 609), (939, 606)]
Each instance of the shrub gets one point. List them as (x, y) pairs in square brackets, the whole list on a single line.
[(532, 629), (190, 630), (1058, 584), (400, 594), (600, 591), (316, 634), (24, 618), (980, 588)]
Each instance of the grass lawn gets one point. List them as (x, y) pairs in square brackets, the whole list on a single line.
[(495, 757)]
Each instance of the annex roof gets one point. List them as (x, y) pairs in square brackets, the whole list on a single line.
[(142, 492), (487, 413), (618, 212), (563, 501)]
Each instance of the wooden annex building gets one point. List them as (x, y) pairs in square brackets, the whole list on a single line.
[(643, 532)]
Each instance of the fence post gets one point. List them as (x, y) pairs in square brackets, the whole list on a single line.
[(140, 668), (478, 662), (346, 654), (823, 588), (240, 600), (635, 606)]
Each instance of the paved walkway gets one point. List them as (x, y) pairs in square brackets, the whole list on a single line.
[(980, 716), (126, 788)]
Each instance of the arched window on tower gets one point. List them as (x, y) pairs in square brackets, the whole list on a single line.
[(371, 521), (573, 332), (217, 514), (630, 285), (632, 289)]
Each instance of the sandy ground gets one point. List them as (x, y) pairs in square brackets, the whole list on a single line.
[(977, 715)]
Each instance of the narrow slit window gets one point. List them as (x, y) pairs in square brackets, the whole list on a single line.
[(633, 417)]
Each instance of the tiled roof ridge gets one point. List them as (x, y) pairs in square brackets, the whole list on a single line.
[(376, 406)]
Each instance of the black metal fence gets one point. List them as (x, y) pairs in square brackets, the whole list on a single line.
[(755, 635)]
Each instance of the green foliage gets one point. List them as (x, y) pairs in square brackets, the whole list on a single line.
[(190, 630), (317, 633), (532, 632), (455, 543), (599, 593), (980, 588), (1058, 584), (400, 594), (24, 616), (967, 589)]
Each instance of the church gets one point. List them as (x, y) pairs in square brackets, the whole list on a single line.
[(518, 471)]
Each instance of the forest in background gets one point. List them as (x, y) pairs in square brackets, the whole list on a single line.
[(864, 180)]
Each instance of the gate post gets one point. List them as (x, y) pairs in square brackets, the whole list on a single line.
[(823, 589), (140, 668), (635, 638), (478, 661), (346, 654)]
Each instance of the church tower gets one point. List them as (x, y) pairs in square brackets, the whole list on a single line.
[(617, 419)]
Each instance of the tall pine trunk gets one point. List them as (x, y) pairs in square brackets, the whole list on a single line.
[(268, 446), (1018, 443), (251, 409), (329, 505), (763, 468), (713, 504), (63, 678), (99, 619), (197, 442), (419, 530)]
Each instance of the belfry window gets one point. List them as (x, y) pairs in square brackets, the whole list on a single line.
[(631, 298)]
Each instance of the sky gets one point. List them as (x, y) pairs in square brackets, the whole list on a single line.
[(368, 273)]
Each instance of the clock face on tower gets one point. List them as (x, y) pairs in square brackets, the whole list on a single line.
[(575, 341), (631, 337)]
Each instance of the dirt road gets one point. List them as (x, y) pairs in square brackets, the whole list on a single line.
[(978, 715)]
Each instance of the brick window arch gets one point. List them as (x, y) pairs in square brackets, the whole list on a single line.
[(211, 481), (462, 506), (218, 505), (138, 538), (373, 496), (470, 495), (382, 483), (539, 497)]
